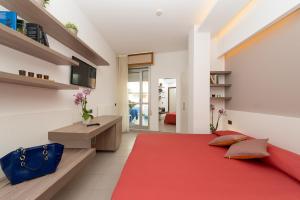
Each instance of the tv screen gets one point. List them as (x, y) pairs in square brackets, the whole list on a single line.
[(83, 75)]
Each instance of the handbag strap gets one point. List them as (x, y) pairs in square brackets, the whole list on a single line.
[(23, 158)]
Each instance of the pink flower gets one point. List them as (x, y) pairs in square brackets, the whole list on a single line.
[(87, 91), (78, 98), (221, 111)]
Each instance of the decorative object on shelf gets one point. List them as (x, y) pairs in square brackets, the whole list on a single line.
[(39, 75), (9, 18), (81, 99), (220, 113), (21, 26), (42, 3), (213, 95), (72, 28), (22, 72), (46, 2), (26, 164), (31, 74), (35, 32), (46, 77), (214, 79)]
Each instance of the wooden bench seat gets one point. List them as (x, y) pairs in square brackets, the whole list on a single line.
[(46, 187)]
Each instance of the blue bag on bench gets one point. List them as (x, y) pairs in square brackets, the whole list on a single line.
[(26, 164)]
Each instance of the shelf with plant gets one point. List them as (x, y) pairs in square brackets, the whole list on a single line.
[(22, 43), (33, 12)]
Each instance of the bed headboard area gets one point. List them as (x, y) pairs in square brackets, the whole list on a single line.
[(265, 84)]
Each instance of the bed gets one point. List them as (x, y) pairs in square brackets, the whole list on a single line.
[(185, 167), (170, 118)]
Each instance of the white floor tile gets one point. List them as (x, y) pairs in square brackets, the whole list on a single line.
[(97, 180)]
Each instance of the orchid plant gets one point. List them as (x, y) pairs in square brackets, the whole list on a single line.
[(221, 112), (81, 99)]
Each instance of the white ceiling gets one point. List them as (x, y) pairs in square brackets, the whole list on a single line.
[(132, 26)]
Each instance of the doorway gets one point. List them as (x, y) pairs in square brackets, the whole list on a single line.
[(167, 104), (138, 98)]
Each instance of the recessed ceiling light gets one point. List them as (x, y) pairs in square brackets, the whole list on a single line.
[(159, 12)]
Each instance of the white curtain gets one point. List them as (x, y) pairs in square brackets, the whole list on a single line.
[(122, 91)]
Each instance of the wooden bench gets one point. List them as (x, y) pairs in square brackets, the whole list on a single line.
[(46, 187)]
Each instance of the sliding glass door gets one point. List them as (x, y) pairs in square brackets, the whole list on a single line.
[(138, 98)]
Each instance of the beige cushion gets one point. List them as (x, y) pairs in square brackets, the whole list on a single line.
[(248, 149), (227, 140)]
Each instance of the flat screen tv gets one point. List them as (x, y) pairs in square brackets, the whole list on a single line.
[(83, 75)]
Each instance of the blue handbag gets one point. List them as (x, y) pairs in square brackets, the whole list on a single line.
[(26, 164)]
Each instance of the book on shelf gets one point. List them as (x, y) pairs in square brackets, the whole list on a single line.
[(214, 79), (35, 32), (9, 18), (44, 38)]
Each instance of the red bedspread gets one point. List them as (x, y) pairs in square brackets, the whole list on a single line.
[(170, 118), (184, 167)]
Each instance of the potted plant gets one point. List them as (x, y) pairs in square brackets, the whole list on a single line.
[(81, 99), (221, 112), (72, 28), (42, 3)]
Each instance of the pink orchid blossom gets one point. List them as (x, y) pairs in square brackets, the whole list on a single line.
[(86, 91)]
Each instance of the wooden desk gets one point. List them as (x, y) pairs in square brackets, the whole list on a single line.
[(106, 137)]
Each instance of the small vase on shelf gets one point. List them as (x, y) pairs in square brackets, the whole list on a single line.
[(86, 121)]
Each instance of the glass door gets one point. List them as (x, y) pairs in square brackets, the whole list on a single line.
[(138, 98)]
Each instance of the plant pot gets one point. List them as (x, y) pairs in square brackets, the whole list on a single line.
[(73, 31)]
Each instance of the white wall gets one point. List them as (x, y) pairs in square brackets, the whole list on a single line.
[(198, 81), (167, 65), (282, 131), (27, 114)]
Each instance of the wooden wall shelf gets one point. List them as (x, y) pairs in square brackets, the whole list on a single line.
[(20, 42), (32, 12), (44, 188), (34, 82), (220, 85), (221, 98), (220, 72)]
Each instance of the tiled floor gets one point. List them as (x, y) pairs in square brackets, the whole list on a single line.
[(166, 127), (97, 180)]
